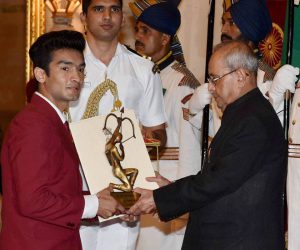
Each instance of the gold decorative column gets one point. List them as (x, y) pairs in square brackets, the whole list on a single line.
[(62, 13), (35, 26)]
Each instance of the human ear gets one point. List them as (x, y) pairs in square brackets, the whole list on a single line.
[(83, 18), (241, 76), (165, 39), (39, 74)]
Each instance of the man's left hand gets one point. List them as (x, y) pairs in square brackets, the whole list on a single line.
[(145, 204)]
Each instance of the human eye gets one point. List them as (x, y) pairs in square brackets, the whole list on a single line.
[(116, 9), (82, 71), (144, 30), (65, 68), (231, 23), (98, 8)]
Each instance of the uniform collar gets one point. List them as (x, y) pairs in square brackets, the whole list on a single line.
[(165, 61), (88, 52)]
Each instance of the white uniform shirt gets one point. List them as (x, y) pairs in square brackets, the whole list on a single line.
[(293, 176), (138, 87)]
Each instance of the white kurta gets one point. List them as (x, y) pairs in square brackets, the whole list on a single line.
[(139, 89), (155, 234), (293, 176)]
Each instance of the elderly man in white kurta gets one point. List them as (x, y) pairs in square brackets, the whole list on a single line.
[(155, 28), (115, 77)]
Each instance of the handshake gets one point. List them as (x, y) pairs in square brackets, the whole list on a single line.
[(108, 206)]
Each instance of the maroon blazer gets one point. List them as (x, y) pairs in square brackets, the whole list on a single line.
[(42, 197)]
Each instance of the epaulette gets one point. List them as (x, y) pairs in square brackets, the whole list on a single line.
[(155, 68), (189, 79), (269, 71), (137, 53)]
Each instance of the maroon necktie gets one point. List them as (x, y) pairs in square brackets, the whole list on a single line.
[(66, 124)]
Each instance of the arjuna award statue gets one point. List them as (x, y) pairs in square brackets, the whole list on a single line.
[(114, 151)]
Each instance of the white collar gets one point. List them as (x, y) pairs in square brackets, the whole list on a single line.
[(119, 51)]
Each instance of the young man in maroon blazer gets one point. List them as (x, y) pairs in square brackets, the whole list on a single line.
[(42, 198)]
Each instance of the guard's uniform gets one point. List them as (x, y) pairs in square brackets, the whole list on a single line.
[(293, 176), (138, 89), (181, 156)]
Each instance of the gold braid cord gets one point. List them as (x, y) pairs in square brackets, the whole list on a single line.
[(95, 97)]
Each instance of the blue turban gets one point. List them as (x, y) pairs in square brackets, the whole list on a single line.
[(163, 17), (253, 19)]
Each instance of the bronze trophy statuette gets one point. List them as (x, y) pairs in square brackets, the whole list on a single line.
[(114, 150)]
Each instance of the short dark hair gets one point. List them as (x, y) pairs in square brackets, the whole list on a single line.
[(86, 4), (42, 49)]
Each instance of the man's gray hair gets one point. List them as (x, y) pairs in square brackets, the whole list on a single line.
[(238, 54)]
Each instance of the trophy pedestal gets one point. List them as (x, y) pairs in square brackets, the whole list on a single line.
[(126, 199)]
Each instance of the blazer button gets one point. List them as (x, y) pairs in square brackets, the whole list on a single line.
[(69, 224), (290, 140), (294, 122), (298, 104)]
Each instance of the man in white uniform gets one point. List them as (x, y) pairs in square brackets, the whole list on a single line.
[(115, 77), (249, 21), (293, 176), (155, 28)]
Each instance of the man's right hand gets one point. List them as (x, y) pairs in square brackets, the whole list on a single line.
[(199, 99), (108, 206)]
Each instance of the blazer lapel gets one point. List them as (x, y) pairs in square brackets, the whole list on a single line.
[(48, 111)]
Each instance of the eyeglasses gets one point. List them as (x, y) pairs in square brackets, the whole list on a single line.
[(213, 79)]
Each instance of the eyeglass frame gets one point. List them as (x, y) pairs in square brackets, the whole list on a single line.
[(212, 80)]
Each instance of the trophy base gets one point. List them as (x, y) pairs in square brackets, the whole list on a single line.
[(126, 199)]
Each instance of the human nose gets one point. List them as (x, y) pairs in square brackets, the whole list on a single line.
[(224, 28), (211, 87), (77, 75), (137, 35), (107, 14)]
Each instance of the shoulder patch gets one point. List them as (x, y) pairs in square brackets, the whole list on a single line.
[(189, 79), (186, 98), (269, 71)]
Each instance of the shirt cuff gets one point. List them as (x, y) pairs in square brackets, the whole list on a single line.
[(91, 204)]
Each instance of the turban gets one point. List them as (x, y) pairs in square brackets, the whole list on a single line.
[(138, 6), (253, 19), (163, 17)]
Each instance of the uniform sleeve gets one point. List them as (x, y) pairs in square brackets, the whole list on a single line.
[(277, 102), (35, 158), (227, 174), (152, 103), (189, 139)]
